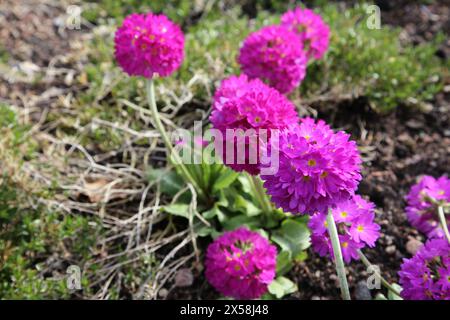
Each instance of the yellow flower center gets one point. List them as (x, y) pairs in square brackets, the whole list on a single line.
[(344, 244), (307, 137), (324, 174), (237, 267), (306, 178), (344, 214), (325, 223), (441, 192), (257, 119), (360, 228), (312, 162), (151, 37)]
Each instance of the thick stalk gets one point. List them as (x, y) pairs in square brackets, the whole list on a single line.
[(383, 281), (339, 261), (150, 90), (443, 221)]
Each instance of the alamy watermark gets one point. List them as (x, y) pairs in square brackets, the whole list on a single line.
[(73, 18), (374, 17), (73, 280), (374, 279)]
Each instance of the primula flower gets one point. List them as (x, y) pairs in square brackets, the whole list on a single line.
[(356, 228), (241, 264), (422, 200), (426, 276), (245, 104), (148, 45), (317, 168), (275, 55), (314, 33)]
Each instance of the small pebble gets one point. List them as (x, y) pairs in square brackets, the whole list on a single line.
[(184, 278), (163, 293), (390, 249), (413, 245)]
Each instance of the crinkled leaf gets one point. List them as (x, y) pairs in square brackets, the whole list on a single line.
[(282, 286), (293, 236)]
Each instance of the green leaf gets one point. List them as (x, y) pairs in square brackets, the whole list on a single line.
[(284, 262), (223, 200), (282, 286), (177, 209), (246, 186), (293, 236), (170, 181), (214, 212), (202, 230), (225, 180), (245, 206), (241, 220)]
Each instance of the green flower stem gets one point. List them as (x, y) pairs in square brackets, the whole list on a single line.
[(383, 281), (260, 194), (150, 91), (443, 221), (340, 268)]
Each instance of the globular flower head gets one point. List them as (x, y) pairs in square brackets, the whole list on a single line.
[(275, 55), (426, 276), (148, 45), (317, 168), (356, 228), (422, 201), (241, 264), (314, 33), (243, 104)]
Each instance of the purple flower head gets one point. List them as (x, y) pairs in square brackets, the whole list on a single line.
[(240, 103), (241, 264), (275, 55), (317, 168), (422, 200), (314, 33), (356, 227), (149, 44), (426, 276)]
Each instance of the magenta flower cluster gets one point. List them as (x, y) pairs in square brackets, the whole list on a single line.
[(422, 201), (148, 44), (356, 227), (426, 276), (317, 168), (240, 103), (241, 264), (275, 55), (279, 54), (314, 33)]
